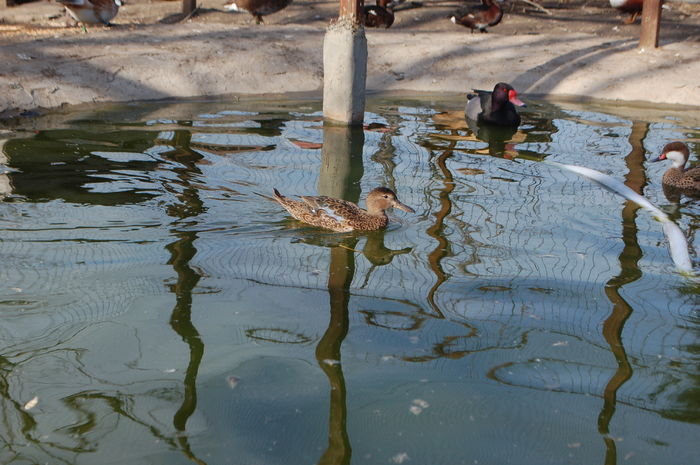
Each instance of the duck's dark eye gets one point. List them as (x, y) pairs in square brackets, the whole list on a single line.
[(386, 196)]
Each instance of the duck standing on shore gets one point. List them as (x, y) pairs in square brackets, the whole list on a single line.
[(257, 8), (92, 11), (633, 7), (496, 107), (677, 176), (379, 15), (489, 13), (341, 215)]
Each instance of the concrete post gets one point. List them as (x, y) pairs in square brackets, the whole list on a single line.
[(344, 72)]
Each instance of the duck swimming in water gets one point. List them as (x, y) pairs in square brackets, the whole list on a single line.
[(677, 176), (497, 107), (341, 215)]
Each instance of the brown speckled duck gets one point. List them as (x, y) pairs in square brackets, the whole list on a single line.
[(341, 215), (677, 176), (257, 8)]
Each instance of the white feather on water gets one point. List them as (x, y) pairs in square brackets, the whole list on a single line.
[(678, 244)]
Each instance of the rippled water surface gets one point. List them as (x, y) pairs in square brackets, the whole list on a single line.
[(158, 308)]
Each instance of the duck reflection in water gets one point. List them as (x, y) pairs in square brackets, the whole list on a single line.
[(377, 253), (501, 140), (374, 249)]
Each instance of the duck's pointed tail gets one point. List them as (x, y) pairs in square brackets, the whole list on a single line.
[(277, 196), (269, 197)]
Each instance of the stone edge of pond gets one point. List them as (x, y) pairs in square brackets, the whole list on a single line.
[(109, 66)]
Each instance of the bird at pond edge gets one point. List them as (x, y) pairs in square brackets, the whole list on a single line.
[(677, 176), (489, 13), (341, 215), (633, 7), (257, 8), (92, 11), (496, 107), (379, 15)]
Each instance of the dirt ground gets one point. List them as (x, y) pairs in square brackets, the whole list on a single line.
[(573, 48)]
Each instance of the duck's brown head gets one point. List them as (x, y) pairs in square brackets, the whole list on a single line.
[(677, 152), (381, 199)]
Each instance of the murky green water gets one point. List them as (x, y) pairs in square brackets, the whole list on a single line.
[(158, 309)]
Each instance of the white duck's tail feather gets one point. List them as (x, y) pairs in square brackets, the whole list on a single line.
[(678, 244)]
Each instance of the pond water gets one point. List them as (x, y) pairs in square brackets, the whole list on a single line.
[(158, 308)]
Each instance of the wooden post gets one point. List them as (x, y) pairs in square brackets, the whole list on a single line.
[(352, 9), (651, 22), (188, 7)]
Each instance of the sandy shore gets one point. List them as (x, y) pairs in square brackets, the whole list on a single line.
[(46, 65)]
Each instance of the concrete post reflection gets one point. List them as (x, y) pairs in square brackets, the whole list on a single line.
[(341, 172), (341, 162), (182, 250)]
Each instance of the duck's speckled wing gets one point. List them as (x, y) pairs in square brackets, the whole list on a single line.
[(342, 211), (318, 211), (692, 179)]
